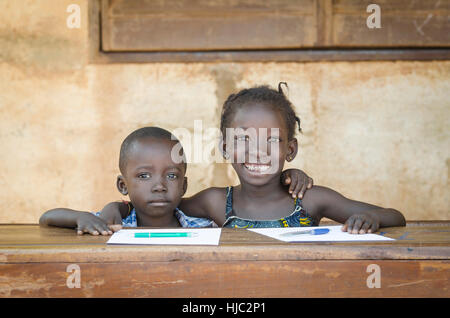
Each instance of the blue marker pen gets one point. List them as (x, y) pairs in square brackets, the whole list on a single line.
[(310, 232), (164, 234)]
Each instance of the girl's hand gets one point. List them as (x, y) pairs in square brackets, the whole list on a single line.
[(112, 215), (361, 224), (298, 182), (89, 223)]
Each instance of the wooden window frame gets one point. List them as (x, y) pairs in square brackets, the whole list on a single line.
[(98, 56)]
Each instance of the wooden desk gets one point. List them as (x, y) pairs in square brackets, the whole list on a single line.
[(34, 262)]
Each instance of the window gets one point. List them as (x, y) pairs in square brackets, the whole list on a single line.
[(269, 30)]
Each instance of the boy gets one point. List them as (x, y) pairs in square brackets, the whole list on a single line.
[(152, 180)]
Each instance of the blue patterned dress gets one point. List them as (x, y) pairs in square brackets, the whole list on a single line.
[(299, 217)]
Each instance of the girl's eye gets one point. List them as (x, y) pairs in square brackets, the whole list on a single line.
[(242, 138), (172, 176), (273, 139), (144, 176)]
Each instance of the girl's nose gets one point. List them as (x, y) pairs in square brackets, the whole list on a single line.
[(252, 154), (258, 153)]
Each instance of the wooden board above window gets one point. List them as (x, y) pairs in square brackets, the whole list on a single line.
[(220, 27), (199, 25)]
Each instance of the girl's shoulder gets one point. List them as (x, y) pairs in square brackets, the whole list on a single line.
[(316, 197), (214, 201), (319, 193), (319, 198), (213, 195), (206, 201)]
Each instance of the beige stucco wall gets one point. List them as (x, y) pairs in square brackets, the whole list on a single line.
[(374, 131)]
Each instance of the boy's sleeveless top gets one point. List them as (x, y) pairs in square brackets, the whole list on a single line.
[(299, 217)]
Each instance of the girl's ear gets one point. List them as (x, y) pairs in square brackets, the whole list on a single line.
[(292, 149), (121, 186), (223, 149), (185, 184)]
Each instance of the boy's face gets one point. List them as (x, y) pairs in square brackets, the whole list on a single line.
[(155, 183)]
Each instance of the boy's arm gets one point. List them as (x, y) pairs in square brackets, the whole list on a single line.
[(84, 222), (357, 217), (298, 182)]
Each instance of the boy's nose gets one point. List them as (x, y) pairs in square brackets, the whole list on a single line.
[(159, 187)]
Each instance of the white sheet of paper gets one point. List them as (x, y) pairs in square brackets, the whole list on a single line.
[(208, 236), (335, 235)]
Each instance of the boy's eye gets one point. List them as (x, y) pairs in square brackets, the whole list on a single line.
[(144, 176), (172, 176)]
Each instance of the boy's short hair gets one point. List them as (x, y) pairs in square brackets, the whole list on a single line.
[(155, 132)]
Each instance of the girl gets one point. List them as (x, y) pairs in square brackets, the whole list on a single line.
[(260, 200), (265, 115)]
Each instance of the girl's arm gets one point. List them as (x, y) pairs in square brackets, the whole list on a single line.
[(84, 222), (209, 203), (357, 217), (114, 212)]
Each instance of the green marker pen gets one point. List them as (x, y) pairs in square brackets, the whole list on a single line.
[(165, 234)]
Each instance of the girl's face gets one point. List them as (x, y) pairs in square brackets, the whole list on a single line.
[(257, 140)]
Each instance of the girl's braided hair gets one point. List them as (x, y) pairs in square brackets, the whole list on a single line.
[(260, 94)]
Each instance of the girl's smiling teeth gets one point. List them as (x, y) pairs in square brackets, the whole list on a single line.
[(257, 167)]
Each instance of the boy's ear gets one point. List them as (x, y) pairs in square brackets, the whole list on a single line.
[(185, 184), (292, 149), (121, 186)]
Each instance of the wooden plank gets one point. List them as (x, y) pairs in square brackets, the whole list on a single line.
[(94, 31), (199, 7), (33, 235), (274, 56), (200, 25), (187, 25), (34, 244), (107, 254), (293, 55), (229, 279), (34, 262), (105, 44), (324, 27), (404, 23)]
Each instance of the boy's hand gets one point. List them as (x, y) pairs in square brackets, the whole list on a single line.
[(361, 224), (298, 182), (89, 223)]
